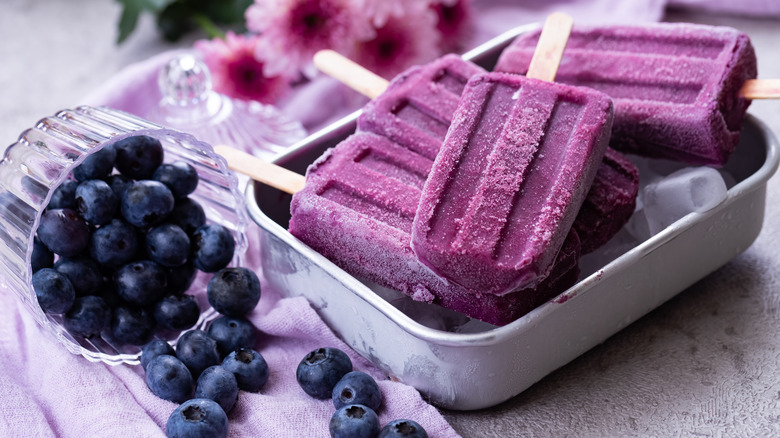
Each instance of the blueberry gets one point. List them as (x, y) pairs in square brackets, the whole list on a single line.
[(188, 215), (109, 294), (54, 291), (197, 418), (155, 347), (232, 334), (119, 184), (169, 379), (198, 351), (41, 256), (354, 421), (139, 156), (146, 203), (96, 202), (218, 384), (177, 312), (357, 388), (97, 165), (168, 245), (64, 196), (83, 273), (212, 247), (114, 244), (88, 316), (249, 367), (321, 370), (181, 278), (234, 291), (141, 283), (132, 326), (180, 177), (403, 429), (64, 232)]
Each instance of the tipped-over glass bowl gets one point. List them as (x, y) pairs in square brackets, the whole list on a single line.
[(41, 160)]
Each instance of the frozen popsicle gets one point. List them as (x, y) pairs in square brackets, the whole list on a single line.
[(357, 210), (676, 87), (610, 202), (417, 107), (509, 180), (399, 111)]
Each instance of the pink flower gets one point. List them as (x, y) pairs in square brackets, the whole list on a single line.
[(454, 23), (402, 42), (381, 10), (236, 72), (293, 30)]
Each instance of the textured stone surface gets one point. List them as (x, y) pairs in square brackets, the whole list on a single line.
[(707, 363)]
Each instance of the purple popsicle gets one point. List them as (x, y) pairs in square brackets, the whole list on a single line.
[(357, 210), (506, 187), (675, 86), (405, 112), (416, 108)]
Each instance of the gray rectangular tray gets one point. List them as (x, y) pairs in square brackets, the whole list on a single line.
[(482, 365)]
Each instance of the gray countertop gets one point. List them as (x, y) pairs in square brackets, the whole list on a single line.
[(706, 363)]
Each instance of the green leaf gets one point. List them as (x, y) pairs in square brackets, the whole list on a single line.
[(132, 11), (127, 21), (223, 11), (153, 5), (174, 21), (208, 26)]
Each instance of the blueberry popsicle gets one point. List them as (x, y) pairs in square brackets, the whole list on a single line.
[(357, 210), (506, 187), (416, 108), (610, 202), (404, 111), (676, 87)]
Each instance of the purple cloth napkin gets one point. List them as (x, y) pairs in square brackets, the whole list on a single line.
[(50, 392)]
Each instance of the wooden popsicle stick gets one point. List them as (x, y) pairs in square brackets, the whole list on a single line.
[(761, 89), (262, 171), (350, 73), (549, 50)]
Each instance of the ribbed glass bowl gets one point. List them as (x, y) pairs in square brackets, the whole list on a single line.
[(41, 160)]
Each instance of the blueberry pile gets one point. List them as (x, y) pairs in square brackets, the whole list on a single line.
[(120, 243), (207, 369), (327, 373), (205, 373)]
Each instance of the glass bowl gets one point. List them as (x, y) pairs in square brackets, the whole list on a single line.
[(43, 157)]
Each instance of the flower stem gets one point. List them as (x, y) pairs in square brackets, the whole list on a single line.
[(208, 26)]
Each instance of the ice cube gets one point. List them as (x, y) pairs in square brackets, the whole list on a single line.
[(692, 189)]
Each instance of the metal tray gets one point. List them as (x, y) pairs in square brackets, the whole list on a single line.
[(481, 365)]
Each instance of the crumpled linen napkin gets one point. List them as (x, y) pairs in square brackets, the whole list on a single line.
[(48, 391)]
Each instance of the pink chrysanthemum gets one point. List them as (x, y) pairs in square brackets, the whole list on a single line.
[(236, 72), (402, 42), (454, 21), (293, 30), (379, 11)]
